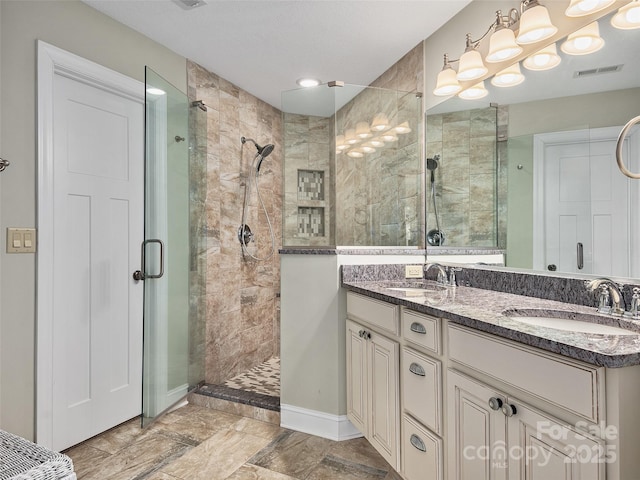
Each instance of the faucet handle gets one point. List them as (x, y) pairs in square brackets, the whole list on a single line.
[(452, 275), (634, 310), (603, 300)]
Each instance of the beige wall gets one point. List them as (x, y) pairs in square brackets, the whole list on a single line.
[(605, 109), (75, 27)]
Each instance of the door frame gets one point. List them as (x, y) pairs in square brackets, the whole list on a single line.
[(540, 142), (54, 61)]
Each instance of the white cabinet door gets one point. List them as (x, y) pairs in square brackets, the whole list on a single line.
[(541, 447), (384, 426), (476, 432), (357, 408)]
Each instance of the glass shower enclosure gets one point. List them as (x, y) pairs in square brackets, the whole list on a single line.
[(173, 261), (353, 173)]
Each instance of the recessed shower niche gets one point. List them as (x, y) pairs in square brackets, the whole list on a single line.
[(352, 169)]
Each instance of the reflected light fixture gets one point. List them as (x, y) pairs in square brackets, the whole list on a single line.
[(584, 41), (403, 128), (376, 142), (502, 42), (545, 59), (355, 153), (350, 137), (308, 82), (509, 77), (470, 65), (580, 8), (535, 24), (363, 131), (447, 81), (628, 17), (389, 137), (340, 145), (380, 122), (475, 92), (155, 91), (367, 148)]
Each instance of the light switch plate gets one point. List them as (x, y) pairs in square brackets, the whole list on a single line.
[(21, 240), (413, 271)]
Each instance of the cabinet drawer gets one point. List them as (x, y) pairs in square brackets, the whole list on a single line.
[(421, 330), (421, 388), (571, 385), (375, 312), (421, 452)]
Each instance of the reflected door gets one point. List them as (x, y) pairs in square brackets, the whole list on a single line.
[(165, 250)]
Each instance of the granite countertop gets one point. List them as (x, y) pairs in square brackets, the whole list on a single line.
[(483, 310)]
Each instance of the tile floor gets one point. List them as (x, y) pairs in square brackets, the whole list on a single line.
[(263, 379), (197, 443)]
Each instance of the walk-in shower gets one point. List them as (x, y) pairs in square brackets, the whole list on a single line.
[(435, 236), (245, 235)]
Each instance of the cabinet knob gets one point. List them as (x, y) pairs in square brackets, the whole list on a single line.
[(495, 403), (364, 334), (417, 442), (509, 410)]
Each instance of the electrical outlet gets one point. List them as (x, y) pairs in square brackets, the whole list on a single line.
[(413, 271)]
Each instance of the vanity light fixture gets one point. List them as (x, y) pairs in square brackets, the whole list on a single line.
[(470, 65), (535, 23), (403, 128), (628, 17), (367, 148), (340, 145), (447, 81), (376, 142), (363, 131), (355, 153), (580, 8), (308, 82), (475, 92), (545, 59), (584, 41), (380, 122), (350, 137), (502, 42), (509, 77), (389, 136)]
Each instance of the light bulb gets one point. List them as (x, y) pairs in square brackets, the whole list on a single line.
[(350, 137), (362, 130), (355, 153), (628, 17), (380, 122), (509, 77), (579, 8), (584, 41), (376, 142), (545, 59), (475, 92), (403, 128)]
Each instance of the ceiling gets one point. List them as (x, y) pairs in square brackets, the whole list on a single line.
[(264, 46)]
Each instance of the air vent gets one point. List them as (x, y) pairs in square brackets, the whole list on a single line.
[(597, 71)]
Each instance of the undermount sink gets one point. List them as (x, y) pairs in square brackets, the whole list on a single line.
[(419, 291), (566, 321)]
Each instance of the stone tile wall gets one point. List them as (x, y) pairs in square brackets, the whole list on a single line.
[(466, 177), (242, 314)]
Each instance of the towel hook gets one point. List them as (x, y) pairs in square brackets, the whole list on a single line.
[(621, 138), (3, 164)]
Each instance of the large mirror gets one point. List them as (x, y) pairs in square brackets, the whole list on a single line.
[(561, 204)]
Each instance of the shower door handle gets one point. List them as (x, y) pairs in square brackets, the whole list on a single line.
[(142, 273), (580, 255)]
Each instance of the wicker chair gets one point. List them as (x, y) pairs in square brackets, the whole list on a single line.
[(21, 459)]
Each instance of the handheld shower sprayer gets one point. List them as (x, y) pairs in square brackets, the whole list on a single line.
[(263, 152)]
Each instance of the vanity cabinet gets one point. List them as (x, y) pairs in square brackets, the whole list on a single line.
[(373, 364), (495, 436)]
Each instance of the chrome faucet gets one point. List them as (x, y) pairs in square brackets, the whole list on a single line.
[(442, 272), (607, 288)]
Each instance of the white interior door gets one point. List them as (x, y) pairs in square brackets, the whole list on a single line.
[(583, 199), (91, 227)]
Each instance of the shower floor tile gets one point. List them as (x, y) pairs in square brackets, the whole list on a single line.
[(263, 379)]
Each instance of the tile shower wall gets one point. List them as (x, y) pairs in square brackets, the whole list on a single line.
[(466, 178), (307, 195), (242, 327)]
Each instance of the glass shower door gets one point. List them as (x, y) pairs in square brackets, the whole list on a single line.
[(165, 252)]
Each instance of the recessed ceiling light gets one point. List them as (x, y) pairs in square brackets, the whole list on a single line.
[(308, 82)]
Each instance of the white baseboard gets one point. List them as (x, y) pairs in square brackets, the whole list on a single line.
[(321, 424)]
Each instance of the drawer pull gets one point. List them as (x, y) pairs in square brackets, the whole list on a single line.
[(418, 328), (417, 442), (417, 369)]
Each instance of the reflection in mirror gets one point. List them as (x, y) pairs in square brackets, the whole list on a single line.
[(567, 206)]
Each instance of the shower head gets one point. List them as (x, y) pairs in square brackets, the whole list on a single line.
[(263, 152)]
